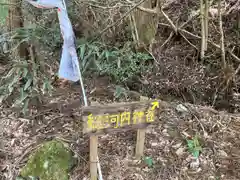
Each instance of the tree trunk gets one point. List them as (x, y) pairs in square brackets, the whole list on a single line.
[(146, 24), (15, 20)]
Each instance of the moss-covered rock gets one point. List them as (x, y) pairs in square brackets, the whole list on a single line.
[(52, 161)]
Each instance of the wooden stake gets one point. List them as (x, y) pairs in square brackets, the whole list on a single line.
[(140, 143), (140, 138), (93, 157)]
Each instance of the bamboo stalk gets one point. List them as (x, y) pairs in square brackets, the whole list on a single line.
[(222, 35), (203, 43), (206, 19)]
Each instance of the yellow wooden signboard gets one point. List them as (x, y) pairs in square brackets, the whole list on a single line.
[(104, 119), (100, 119)]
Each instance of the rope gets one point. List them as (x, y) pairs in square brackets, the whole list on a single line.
[(82, 86)]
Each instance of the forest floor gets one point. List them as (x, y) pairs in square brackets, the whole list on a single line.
[(178, 72), (165, 143)]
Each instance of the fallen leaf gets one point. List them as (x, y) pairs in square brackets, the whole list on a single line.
[(180, 151)]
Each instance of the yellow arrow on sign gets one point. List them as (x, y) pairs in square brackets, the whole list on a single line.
[(155, 105)]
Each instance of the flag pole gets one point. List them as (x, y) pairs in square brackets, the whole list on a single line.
[(85, 102)]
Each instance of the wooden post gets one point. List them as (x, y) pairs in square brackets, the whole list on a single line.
[(93, 157), (101, 119), (140, 138), (93, 153), (140, 143)]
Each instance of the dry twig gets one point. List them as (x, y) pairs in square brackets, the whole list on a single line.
[(8, 4), (120, 19), (198, 37)]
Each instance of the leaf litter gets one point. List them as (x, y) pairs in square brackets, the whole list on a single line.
[(186, 142)]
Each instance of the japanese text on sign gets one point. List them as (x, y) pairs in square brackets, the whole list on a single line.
[(121, 119)]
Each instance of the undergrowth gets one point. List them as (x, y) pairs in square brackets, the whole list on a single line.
[(121, 64), (24, 81), (28, 79), (3, 12)]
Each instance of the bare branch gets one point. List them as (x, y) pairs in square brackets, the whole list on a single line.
[(170, 21), (120, 19), (8, 4), (198, 37)]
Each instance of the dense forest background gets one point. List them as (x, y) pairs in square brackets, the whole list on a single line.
[(171, 49)]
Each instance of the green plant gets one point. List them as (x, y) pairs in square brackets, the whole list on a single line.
[(120, 63), (3, 12), (50, 38), (148, 161), (24, 81), (51, 161), (119, 92), (27, 178), (194, 146)]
